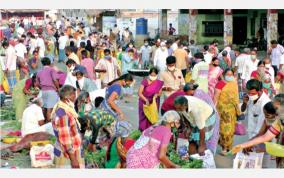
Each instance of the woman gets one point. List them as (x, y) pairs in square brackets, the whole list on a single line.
[(130, 46), (214, 75), (227, 102), (90, 48), (21, 92), (150, 150), (117, 150), (113, 93), (260, 73), (150, 88)]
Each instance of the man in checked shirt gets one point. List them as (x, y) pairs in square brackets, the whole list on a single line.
[(68, 147)]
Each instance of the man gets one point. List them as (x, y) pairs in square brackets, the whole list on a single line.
[(154, 49), (11, 63), (201, 119), (172, 30), (249, 67), (82, 82), (172, 77), (276, 51), (89, 64), (68, 146), (70, 79), (170, 50), (71, 55), (34, 63), (240, 60), (33, 119), (80, 49), (126, 36), (252, 105), (181, 59), (21, 49), (108, 68), (20, 30), (145, 54), (193, 48), (47, 81), (209, 55), (200, 72), (41, 45), (160, 57), (168, 103), (175, 44), (63, 39)]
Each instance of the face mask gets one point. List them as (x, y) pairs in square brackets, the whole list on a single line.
[(267, 65), (171, 68), (119, 50), (266, 85), (130, 46), (253, 98), (229, 79), (88, 107), (126, 86), (72, 68), (152, 78), (163, 48), (253, 57), (108, 57), (146, 44)]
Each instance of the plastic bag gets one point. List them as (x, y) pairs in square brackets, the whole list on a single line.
[(42, 156), (240, 129), (151, 112), (253, 160), (208, 159), (187, 77), (5, 85)]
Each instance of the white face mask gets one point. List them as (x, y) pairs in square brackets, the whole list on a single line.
[(88, 107), (163, 48), (72, 68), (253, 98), (171, 68), (152, 78), (267, 65)]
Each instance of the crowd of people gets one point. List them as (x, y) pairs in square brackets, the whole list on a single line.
[(65, 78)]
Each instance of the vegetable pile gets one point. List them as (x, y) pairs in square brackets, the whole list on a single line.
[(183, 163), (7, 113), (95, 159)]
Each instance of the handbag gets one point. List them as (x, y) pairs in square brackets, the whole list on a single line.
[(151, 111), (5, 85), (240, 129)]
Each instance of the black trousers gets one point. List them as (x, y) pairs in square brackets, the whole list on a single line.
[(275, 70), (183, 71)]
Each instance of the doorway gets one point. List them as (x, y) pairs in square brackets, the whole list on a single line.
[(239, 30)]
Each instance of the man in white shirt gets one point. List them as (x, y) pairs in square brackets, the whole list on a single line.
[(33, 119), (145, 54), (70, 78), (240, 60), (11, 64), (249, 67), (175, 44), (20, 30), (276, 51), (21, 50), (252, 105), (63, 39), (209, 55), (269, 69), (71, 55), (160, 57), (41, 45), (108, 68)]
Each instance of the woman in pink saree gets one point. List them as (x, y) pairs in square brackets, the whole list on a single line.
[(149, 88), (215, 72)]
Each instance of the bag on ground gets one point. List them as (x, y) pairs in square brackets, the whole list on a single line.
[(253, 160), (208, 159), (42, 156)]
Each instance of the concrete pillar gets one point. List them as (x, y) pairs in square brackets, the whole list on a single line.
[(228, 27), (272, 28), (192, 29), (163, 23), (183, 20)]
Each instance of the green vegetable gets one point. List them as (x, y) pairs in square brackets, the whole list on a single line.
[(95, 159), (7, 113)]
